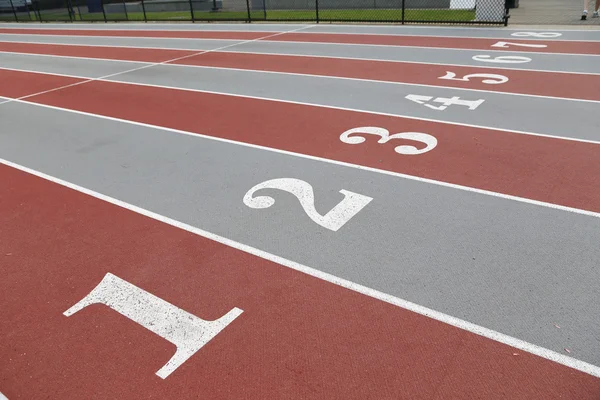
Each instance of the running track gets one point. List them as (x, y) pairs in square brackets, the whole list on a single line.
[(364, 212)]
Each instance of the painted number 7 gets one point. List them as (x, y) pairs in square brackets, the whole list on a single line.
[(186, 331)]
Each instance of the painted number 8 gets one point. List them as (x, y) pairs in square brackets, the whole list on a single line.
[(546, 35)]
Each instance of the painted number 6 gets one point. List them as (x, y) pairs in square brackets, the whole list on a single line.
[(430, 141), (489, 78)]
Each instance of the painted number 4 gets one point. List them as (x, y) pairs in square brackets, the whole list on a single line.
[(444, 102)]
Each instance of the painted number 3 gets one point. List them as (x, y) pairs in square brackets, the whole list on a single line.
[(337, 217), (429, 141)]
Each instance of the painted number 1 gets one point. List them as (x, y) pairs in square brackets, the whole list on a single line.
[(186, 331), (337, 217)]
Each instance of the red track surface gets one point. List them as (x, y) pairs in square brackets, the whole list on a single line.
[(386, 40), (141, 33), (552, 170), (577, 86), (113, 53), (299, 337)]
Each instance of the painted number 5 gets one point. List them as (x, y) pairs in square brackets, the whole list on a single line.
[(303, 191), (490, 79), (430, 141)]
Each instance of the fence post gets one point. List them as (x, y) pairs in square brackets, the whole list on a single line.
[(265, 8), (78, 10), (144, 11), (403, 8), (125, 10), (12, 6), (103, 12), (248, 8), (70, 9), (37, 8), (317, 9), (506, 13), (192, 11)]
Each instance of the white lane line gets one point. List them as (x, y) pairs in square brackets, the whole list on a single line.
[(148, 66), (486, 67), (310, 30), (329, 161), (2, 397), (200, 26), (450, 320), (300, 103), (266, 40), (262, 71)]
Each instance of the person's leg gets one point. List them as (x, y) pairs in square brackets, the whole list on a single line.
[(595, 15), (585, 10)]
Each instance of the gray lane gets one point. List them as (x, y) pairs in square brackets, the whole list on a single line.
[(85, 68), (523, 113), (479, 32), (557, 117), (542, 62), (508, 266), (169, 43), (539, 61), (465, 32), (177, 26)]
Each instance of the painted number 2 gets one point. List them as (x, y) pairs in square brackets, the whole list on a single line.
[(186, 331), (384, 134), (489, 79), (303, 191)]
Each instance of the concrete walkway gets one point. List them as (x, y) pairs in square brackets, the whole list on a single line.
[(554, 12)]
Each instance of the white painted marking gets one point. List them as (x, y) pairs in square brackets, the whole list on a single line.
[(489, 78), (186, 331), (506, 45), (430, 141), (502, 59), (296, 55), (149, 65), (337, 217), (446, 102), (289, 73), (543, 35), (297, 102), (445, 318), (249, 28), (335, 162), (342, 163), (309, 104), (3, 397), (265, 40)]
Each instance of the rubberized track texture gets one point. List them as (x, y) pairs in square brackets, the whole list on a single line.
[(298, 212)]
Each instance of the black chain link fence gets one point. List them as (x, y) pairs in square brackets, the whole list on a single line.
[(389, 11)]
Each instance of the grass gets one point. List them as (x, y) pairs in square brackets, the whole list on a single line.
[(272, 15)]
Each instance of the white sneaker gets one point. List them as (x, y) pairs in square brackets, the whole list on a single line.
[(584, 16), (595, 14)]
